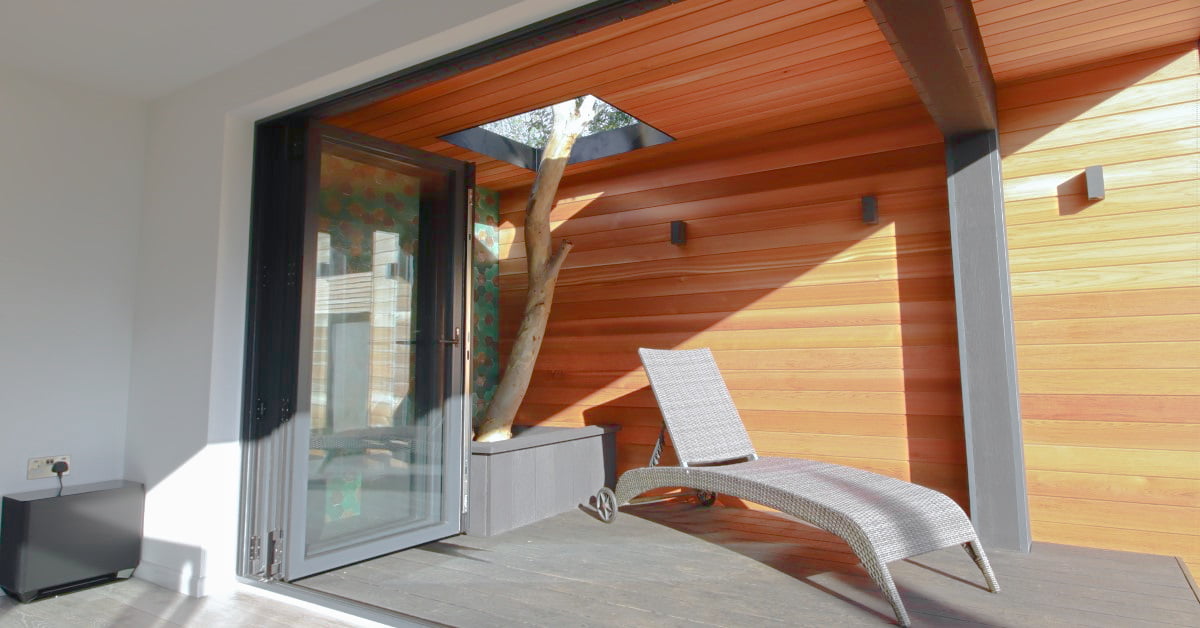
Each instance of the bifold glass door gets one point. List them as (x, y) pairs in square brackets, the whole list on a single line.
[(378, 437)]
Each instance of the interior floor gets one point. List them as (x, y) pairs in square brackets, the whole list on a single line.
[(679, 564), (136, 603)]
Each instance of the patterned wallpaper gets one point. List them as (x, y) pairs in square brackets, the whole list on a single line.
[(485, 354)]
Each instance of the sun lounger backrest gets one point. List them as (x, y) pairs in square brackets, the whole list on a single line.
[(704, 424)]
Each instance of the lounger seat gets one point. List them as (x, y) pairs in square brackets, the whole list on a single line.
[(882, 518)]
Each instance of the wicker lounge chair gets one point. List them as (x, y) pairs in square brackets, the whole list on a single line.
[(882, 518)]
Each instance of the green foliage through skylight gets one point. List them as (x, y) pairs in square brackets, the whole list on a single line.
[(532, 128)]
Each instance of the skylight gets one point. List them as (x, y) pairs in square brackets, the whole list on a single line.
[(532, 128), (520, 139)]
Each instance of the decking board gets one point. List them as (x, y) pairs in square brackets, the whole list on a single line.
[(677, 564)]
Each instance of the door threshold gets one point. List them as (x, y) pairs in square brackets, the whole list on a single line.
[(341, 604)]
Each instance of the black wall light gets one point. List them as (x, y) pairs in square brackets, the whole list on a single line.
[(1095, 182), (678, 232), (870, 210)]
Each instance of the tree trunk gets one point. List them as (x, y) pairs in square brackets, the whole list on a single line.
[(570, 118)]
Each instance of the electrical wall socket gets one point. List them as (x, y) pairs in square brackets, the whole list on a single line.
[(40, 467)]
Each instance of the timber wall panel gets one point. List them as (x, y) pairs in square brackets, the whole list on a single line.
[(1025, 38), (837, 339), (1106, 297)]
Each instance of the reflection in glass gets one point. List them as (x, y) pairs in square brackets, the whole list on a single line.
[(375, 446)]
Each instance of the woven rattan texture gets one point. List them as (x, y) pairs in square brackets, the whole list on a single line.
[(897, 518), (705, 426)]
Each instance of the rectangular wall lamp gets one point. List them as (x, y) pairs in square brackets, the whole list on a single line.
[(678, 232), (870, 210), (1095, 182)]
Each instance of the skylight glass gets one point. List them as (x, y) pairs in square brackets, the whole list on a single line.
[(520, 140), (532, 128)]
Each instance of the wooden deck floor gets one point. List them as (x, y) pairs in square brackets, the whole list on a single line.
[(678, 564)]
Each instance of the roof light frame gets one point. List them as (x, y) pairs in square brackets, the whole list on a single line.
[(589, 147)]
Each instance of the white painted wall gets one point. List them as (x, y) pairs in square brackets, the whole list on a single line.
[(71, 166), (191, 281)]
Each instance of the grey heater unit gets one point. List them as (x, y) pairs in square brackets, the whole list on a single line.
[(52, 543)]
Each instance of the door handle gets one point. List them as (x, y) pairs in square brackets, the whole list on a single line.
[(455, 339)]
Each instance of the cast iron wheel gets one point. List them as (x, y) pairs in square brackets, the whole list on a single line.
[(707, 498), (606, 504)]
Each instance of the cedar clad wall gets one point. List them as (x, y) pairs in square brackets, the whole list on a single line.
[(1106, 297), (836, 338)]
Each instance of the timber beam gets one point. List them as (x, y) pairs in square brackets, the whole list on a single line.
[(939, 45)]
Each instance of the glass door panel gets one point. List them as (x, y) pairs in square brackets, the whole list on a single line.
[(382, 432)]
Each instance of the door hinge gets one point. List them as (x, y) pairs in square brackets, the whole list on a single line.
[(285, 409), (290, 277), (255, 552), (471, 199), (274, 555)]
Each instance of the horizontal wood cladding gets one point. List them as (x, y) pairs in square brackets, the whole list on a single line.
[(703, 71), (837, 339), (1106, 294), (1025, 38)]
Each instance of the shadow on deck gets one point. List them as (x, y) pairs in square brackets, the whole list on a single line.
[(678, 564)]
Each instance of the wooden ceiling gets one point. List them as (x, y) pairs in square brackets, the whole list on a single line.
[(703, 71), (1025, 38), (708, 71)]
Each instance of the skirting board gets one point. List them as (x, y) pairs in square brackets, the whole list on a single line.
[(171, 579)]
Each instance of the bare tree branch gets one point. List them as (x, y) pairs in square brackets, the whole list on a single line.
[(570, 119)]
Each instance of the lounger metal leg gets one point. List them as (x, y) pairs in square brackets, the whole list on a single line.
[(975, 551), (883, 577)]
